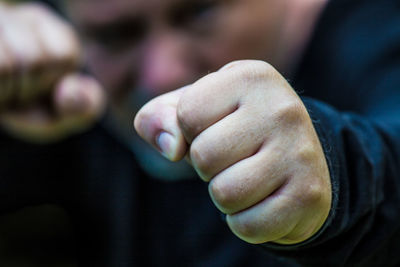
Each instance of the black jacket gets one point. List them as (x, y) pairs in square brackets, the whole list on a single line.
[(349, 79)]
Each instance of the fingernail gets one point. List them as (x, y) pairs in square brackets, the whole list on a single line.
[(167, 143)]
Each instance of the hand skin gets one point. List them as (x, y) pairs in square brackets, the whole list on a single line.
[(247, 133), (41, 98)]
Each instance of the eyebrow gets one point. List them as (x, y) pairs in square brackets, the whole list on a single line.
[(120, 22), (183, 4)]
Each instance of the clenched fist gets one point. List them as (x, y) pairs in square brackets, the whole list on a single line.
[(41, 98), (247, 133)]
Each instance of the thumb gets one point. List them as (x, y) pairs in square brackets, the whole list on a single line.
[(79, 95), (157, 124)]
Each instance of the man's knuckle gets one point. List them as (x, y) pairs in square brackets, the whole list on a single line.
[(247, 230), (314, 193), (68, 54), (33, 9), (289, 112), (200, 157), (264, 67), (261, 70), (223, 195), (182, 112), (306, 153), (184, 115), (311, 194)]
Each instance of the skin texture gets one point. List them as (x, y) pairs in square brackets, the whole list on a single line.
[(253, 141), (243, 128)]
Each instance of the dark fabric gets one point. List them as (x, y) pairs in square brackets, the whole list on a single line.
[(120, 216), (353, 66), (349, 80)]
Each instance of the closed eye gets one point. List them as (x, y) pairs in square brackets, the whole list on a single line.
[(118, 34)]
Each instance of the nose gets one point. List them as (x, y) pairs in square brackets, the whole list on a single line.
[(166, 65)]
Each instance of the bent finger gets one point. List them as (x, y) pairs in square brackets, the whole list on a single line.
[(269, 220)]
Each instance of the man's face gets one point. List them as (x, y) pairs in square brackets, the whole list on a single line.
[(154, 46), (139, 49)]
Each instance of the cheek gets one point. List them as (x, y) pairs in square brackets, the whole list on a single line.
[(243, 36), (116, 72)]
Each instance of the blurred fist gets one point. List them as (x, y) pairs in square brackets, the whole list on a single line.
[(248, 134), (40, 100)]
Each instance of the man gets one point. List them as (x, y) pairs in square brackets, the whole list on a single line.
[(300, 178)]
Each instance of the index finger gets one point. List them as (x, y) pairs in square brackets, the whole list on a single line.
[(207, 101), (216, 95)]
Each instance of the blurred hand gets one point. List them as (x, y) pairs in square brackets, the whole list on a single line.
[(41, 99), (248, 134)]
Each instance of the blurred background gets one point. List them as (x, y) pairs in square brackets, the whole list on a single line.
[(40, 235)]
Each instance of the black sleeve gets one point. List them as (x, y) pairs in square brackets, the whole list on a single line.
[(363, 154), (353, 64)]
